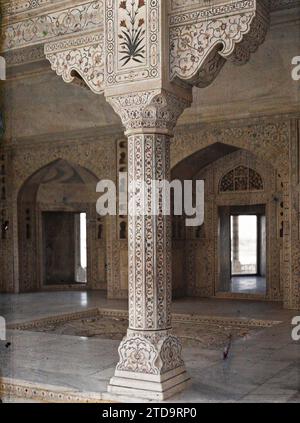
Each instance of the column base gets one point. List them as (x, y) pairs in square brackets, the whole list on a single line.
[(150, 366), (143, 386)]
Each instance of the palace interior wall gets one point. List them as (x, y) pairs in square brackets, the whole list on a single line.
[(253, 109)]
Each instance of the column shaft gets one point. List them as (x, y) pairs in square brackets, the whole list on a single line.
[(149, 238)]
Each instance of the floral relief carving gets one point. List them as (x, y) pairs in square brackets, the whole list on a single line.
[(206, 34), (150, 353), (11, 8), (137, 355), (148, 245), (170, 354), (15, 7)]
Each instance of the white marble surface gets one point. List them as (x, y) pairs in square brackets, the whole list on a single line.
[(264, 367), (248, 285), (31, 306)]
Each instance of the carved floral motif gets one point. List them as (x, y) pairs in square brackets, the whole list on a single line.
[(205, 34), (137, 355), (132, 37), (150, 353), (132, 32)]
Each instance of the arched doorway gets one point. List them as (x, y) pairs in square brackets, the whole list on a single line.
[(238, 186), (61, 239)]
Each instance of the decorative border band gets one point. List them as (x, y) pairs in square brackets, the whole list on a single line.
[(212, 12), (176, 318), (46, 393)]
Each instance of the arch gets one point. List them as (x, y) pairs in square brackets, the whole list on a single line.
[(59, 170), (268, 141), (215, 162), (60, 186), (94, 157)]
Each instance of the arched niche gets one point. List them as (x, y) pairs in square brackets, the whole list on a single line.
[(60, 190), (196, 267)]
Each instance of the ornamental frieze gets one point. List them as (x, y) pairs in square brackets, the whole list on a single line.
[(40, 28), (14, 8)]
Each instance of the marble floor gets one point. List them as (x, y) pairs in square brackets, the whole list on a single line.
[(26, 307), (263, 366), (248, 285)]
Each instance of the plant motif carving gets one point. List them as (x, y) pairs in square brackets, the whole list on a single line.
[(132, 32)]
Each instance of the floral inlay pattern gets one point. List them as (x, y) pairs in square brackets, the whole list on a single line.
[(132, 32)]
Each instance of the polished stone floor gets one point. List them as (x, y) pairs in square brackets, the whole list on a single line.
[(26, 307), (248, 285), (262, 366)]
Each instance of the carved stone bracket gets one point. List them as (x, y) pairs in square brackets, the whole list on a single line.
[(80, 55), (203, 38)]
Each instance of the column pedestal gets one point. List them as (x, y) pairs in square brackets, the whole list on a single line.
[(150, 366)]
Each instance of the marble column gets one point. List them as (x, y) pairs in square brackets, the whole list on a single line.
[(150, 364)]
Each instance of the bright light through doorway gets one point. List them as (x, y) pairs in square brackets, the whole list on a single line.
[(244, 245), (83, 250)]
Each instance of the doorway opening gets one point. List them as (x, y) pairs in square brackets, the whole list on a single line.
[(243, 250), (81, 248), (64, 248)]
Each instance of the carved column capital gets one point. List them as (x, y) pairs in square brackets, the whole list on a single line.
[(153, 111)]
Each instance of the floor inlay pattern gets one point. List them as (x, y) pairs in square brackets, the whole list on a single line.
[(194, 330)]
